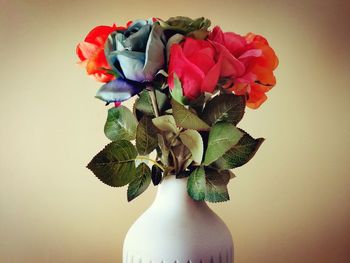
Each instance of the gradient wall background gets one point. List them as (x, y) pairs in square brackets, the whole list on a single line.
[(290, 204)]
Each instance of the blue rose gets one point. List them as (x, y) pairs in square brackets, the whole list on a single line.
[(136, 55)]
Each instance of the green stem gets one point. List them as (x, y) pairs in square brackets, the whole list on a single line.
[(152, 161), (175, 161), (175, 136), (153, 97), (152, 94)]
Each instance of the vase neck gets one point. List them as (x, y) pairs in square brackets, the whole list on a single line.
[(173, 191)]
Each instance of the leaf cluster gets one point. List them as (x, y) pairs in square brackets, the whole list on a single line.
[(196, 139)]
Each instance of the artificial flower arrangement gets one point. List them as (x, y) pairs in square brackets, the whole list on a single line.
[(192, 86)]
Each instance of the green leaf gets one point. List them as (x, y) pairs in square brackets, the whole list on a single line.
[(196, 184), (121, 124), (146, 136), (140, 183), (164, 149), (115, 164), (231, 174), (209, 185), (187, 119), (226, 107), (166, 123), (201, 34), (144, 103), (216, 186), (110, 71), (156, 175), (183, 157), (174, 39), (176, 93), (240, 153), (197, 103), (184, 24), (193, 141), (160, 80), (187, 163), (222, 137)]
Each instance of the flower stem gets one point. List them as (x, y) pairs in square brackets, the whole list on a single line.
[(153, 97), (152, 161)]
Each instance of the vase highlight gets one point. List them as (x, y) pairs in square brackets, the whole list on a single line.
[(175, 228)]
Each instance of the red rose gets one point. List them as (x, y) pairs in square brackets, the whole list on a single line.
[(199, 64), (259, 61), (232, 41), (91, 52)]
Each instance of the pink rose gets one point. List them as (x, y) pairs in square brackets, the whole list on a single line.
[(199, 64)]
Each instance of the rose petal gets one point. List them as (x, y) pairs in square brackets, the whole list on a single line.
[(241, 88), (264, 75), (217, 35), (86, 50), (230, 66), (103, 77), (234, 42), (189, 74), (154, 55), (190, 46), (242, 85), (132, 63), (111, 54), (136, 26), (255, 98), (204, 59), (97, 62), (138, 41), (211, 79), (118, 90), (251, 53), (268, 58), (99, 34)]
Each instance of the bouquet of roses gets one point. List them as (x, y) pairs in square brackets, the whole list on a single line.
[(192, 86)]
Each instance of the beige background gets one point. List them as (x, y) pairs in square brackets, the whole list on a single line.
[(290, 204)]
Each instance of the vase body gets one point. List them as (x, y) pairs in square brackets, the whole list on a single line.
[(177, 229)]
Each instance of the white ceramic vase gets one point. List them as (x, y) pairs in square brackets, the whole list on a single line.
[(177, 229)]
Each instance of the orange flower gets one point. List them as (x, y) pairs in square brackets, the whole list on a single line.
[(91, 52), (260, 61)]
